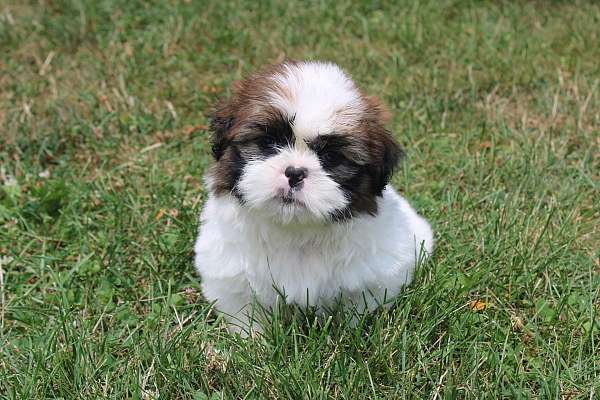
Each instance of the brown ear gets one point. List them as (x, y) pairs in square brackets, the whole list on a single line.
[(220, 125), (385, 150), (385, 157)]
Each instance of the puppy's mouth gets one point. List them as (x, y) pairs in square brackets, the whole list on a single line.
[(289, 197)]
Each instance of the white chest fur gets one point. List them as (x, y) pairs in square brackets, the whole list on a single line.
[(242, 256)]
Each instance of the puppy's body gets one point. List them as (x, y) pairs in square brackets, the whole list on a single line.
[(299, 203), (363, 262)]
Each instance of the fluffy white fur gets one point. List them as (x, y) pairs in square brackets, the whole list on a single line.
[(254, 249), (241, 256)]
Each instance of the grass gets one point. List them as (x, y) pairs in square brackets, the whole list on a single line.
[(103, 143)]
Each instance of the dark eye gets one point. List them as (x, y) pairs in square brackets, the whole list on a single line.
[(331, 158), (267, 141), (267, 144)]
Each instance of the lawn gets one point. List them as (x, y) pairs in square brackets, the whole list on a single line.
[(104, 107)]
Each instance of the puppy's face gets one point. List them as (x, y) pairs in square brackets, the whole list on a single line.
[(298, 142)]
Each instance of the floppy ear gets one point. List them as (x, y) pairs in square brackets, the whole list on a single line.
[(386, 155), (220, 124), (385, 150)]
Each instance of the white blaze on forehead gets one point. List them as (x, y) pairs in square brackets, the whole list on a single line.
[(320, 97)]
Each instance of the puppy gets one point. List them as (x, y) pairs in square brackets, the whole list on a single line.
[(299, 207)]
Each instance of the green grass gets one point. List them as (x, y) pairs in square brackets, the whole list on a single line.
[(103, 143)]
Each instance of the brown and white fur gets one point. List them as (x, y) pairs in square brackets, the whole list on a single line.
[(299, 200)]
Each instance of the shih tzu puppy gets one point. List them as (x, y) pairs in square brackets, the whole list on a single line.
[(299, 205)]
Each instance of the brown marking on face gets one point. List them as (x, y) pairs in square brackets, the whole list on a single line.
[(239, 119), (378, 110), (360, 157)]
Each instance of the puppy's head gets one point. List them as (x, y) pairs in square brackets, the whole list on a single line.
[(298, 142)]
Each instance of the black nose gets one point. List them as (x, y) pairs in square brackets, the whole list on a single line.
[(295, 175)]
